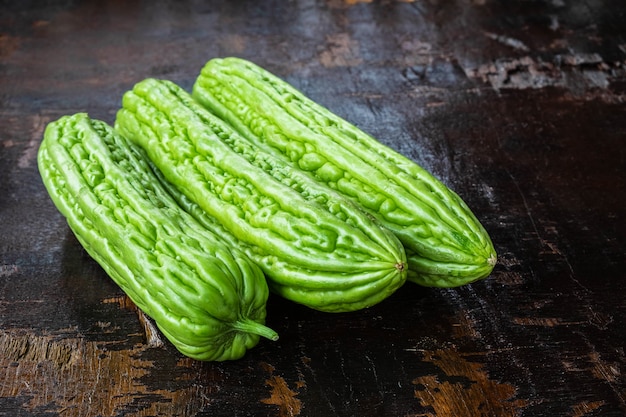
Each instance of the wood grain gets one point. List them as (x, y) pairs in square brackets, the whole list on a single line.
[(518, 106)]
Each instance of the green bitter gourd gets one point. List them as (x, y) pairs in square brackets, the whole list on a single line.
[(315, 247), (207, 299), (445, 244)]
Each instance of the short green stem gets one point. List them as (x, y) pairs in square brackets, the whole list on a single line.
[(251, 326)]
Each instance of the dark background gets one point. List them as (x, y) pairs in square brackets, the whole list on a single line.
[(519, 106)]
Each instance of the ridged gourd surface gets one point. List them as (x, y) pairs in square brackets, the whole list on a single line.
[(315, 247), (445, 243), (207, 299)]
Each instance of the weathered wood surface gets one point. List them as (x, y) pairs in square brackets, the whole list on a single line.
[(517, 105)]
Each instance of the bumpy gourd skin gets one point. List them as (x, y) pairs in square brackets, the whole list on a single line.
[(315, 247), (206, 298), (445, 244)]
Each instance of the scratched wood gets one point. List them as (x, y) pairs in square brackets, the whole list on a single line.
[(517, 105)]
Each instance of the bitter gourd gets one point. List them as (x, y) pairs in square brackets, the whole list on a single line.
[(207, 299), (445, 244), (315, 247)]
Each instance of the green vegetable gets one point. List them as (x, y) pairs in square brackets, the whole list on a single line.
[(315, 247), (445, 244), (207, 299)]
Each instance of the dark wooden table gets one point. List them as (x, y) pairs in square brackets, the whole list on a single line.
[(519, 106)]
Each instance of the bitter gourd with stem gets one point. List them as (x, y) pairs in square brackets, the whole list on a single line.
[(315, 247), (445, 244), (208, 299)]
